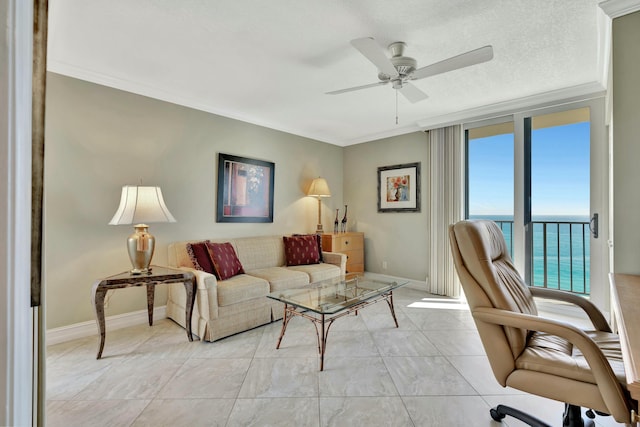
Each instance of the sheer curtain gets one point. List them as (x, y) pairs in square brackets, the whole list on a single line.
[(446, 187)]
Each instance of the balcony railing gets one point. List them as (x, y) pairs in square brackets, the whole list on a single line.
[(507, 231), (560, 251), (561, 255)]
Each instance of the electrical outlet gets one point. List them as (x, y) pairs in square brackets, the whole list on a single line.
[(384, 265)]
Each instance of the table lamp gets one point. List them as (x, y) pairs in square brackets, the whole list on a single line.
[(141, 205), (319, 189)]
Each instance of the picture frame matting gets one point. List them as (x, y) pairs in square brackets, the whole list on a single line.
[(399, 188)]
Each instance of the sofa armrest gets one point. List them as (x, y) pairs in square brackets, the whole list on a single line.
[(337, 259), (206, 293)]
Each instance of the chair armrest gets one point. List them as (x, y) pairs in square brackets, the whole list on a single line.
[(337, 259), (602, 371), (595, 315)]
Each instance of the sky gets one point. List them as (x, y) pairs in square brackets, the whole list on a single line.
[(560, 172)]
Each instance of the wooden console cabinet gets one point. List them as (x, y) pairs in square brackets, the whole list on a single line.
[(350, 244)]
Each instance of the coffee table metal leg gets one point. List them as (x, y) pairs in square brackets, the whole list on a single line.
[(324, 325), (390, 303), (285, 321), (324, 343)]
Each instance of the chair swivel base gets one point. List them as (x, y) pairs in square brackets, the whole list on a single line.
[(572, 416), (501, 411)]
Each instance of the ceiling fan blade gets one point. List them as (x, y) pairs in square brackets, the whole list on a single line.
[(473, 57), (412, 93), (351, 89), (374, 53)]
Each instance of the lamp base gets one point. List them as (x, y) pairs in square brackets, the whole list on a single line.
[(137, 272), (141, 245)]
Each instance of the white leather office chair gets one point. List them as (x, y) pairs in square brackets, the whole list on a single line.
[(530, 353)]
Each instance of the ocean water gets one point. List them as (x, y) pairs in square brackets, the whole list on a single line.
[(567, 250)]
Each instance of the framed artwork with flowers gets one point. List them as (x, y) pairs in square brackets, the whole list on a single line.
[(399, 188)]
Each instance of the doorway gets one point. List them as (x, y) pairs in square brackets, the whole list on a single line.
[(541, 176)]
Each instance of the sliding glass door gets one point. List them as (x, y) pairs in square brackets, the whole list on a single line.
[(559, 153), (541, 176), (489, 175)]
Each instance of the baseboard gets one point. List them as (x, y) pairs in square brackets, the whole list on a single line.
[(90, 328), (119, 321), (413, 284)]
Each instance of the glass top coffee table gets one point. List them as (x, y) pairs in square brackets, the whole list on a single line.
[(325, 301)]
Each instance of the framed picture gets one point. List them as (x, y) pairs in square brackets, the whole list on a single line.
[(399, 188), (245, 189)]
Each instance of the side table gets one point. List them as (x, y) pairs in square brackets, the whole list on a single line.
[(157, 276), (351, 244)]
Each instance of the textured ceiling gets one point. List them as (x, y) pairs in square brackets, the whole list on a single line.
[(271, 62)]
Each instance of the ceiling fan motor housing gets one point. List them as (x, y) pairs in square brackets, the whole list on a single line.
[(403, 64)]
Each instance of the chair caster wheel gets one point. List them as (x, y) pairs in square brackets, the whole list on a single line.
[(497, 416)]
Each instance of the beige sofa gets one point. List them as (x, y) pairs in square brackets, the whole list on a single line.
[(226, 307)]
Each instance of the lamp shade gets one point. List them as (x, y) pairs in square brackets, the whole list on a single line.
[(319, 188), (140, 205)]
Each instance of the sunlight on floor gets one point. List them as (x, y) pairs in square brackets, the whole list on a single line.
[(440, 303)]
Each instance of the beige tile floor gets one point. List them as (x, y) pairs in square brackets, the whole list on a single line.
[(431, 371)]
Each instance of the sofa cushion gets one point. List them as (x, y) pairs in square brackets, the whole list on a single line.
[(199, 256), (240, 288), (281, 278), (301, 250), (224, 259), (260, 252), (318, 272)]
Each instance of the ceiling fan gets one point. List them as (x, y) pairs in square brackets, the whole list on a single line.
[(399, 70)]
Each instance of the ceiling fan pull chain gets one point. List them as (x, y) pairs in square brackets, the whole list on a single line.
[(396, 107)]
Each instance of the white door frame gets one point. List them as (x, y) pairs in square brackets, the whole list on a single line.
[(16, 329), (599, 189)]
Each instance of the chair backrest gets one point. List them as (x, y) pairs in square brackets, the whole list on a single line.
[(489, 279)]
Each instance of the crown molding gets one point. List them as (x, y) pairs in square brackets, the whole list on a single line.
[(561, 96), (410, 128), (138, 88), (617, 8)]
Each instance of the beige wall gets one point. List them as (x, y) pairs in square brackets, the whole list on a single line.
[(98, 139), (626, 143), (400, 239)]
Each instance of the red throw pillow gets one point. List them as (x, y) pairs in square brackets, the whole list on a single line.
[(225, 261), (301, 250), (318, 237), (199, 256)]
